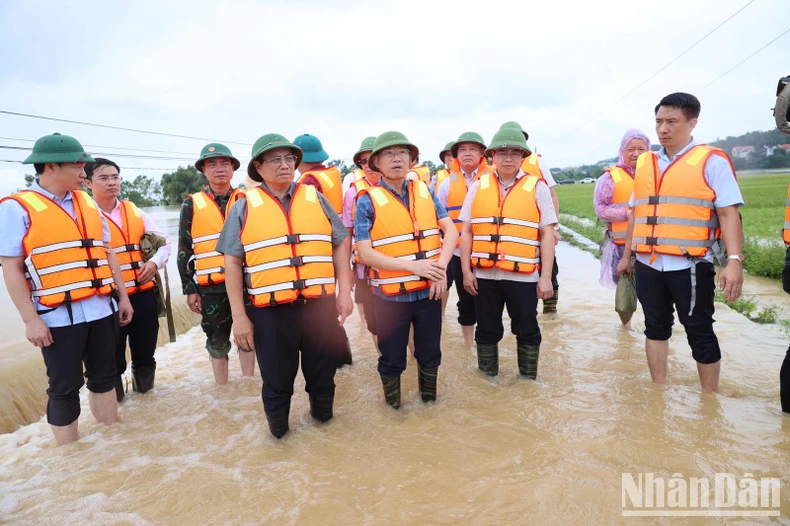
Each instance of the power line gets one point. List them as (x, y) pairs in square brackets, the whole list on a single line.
[(665, 66), (122, 167), (107, 126), (127, 155), (108, 147), (747, 58)]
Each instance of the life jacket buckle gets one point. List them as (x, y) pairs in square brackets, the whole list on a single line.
[(419, 234), (93, 263), (86, 243), (292, 239), (129, 248), (497, 220), (493, 257), (495, 238), (420, 255), (652, 220), (135, 265), (653, 200), (651, 241), (299, 284), (96, 283), (297, 261)]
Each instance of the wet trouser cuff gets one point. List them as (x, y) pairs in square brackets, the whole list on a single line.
[(120, 392), (143, 377), (218, 352), (488, 358), (278, 421), (427, 379), (391, 390), (321, 408), (528, 360)]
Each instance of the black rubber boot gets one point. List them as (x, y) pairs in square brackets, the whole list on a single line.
[(550, 305), (119, 388), (427, 379), (345, 358), (391, 390), (143, 377), (528, 361), (321, 408), (488, 358), (784, 383), (278, 421)]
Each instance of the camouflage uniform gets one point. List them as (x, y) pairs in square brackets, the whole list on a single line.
[(216, 316)]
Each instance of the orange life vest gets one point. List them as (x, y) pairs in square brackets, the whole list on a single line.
[(359, 186), (207, 223), (623, 189), (424, 172), (406, 233), (531, 166), (786, 230), (459, 189), (506, 232), (287, 254), (65, 258), (674, 213), (330, 183), (441, 175), (125, 242)]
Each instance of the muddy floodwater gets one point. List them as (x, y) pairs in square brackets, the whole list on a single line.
[(489, 451)]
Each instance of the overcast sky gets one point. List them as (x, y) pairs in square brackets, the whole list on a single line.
[(344, 70)]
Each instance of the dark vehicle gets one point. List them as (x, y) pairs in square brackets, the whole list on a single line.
[(566, 181)]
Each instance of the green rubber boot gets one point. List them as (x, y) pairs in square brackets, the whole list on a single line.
[(427, 379), (391, 390), (488, 358), (528, 361)]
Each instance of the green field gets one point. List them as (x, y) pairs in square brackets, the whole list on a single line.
[(763, 218)]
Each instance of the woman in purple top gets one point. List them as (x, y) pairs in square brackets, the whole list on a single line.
[(634, 144)]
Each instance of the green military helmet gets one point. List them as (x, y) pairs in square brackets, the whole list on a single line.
[(366, 146), (508, 138), (268, 142), (389, 139), (516, 126), (57, 148), (313, 150), (446, 149), (469, 136), (216, 149)]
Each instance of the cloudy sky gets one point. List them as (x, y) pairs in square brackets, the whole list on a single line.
[(342, 70)]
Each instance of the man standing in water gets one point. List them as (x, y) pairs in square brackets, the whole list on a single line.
[(285, 243), (127, 225), (686, 200), (468, 165), (508, 234), (201, 267), (398, 226), (54, 234)]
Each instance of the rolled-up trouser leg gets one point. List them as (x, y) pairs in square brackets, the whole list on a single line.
[(216, 323)]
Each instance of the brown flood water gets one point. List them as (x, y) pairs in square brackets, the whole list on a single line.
[(496, 451)]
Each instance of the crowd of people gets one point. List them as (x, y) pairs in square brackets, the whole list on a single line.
[(273, 267)]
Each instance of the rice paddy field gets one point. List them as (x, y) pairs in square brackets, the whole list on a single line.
[(763, 218)]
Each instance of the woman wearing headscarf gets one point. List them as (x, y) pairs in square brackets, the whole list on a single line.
[(612, 193)]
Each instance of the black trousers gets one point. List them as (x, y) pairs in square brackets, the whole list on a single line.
[(555, 270), (784, 383), (521, 300), (141, 332), (282, 333), (90, 343), (466, 302), (395, 319), (660, 292)]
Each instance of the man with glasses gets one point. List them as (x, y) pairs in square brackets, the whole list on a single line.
[(201, 267), (286, 245), (507, 237), (127, 225), (398, 225), (468, 165)]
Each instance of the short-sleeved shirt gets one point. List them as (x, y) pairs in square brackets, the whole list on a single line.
[(229, 241), (16, 222), (443, 193), (349, 200), (548, 216), (363, 222), (720, 178)]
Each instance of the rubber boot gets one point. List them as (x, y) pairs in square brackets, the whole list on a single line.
[(119, 390), (278, 421), (345, 356), (550, 305), (528, 360), (427, 379), (143, 377), (488, 358), (321, 408), (784, 383), (391, 390)]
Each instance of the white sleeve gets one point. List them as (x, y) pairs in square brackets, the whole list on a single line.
[(444, 191), (546, 171)]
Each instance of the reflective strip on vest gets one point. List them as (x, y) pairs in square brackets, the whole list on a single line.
[(204, 238), (69, 266), (427, 255), (405, 237), (666, 199), (132, 266), (72, 286), (377, 282), (69, 244), (674, 241), (654, 220), (212, 270), (787, 225), (290, 262), (126, 248), (292, 285), (512, 239), (505, 257), (207, 255), (504, 221), (284, 239)]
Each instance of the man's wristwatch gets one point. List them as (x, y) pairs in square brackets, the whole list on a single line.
[(736, 257), (557, 227)]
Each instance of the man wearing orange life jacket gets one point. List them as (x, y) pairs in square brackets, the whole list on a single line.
[(127, 225), (508, 235), (398, 225), (60, 271), (784, 374), (328, 181), (445, 158), (535, 164), (363, 296), (201, 267), (468, 166), (284, 246), (685, 201)]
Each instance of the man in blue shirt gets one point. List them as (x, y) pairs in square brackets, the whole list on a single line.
[(69, 333), (397, 228)]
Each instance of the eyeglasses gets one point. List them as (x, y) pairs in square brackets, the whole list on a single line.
[(362, 162), (277, 161), (107, 178), (508, 154), (389, 154)]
